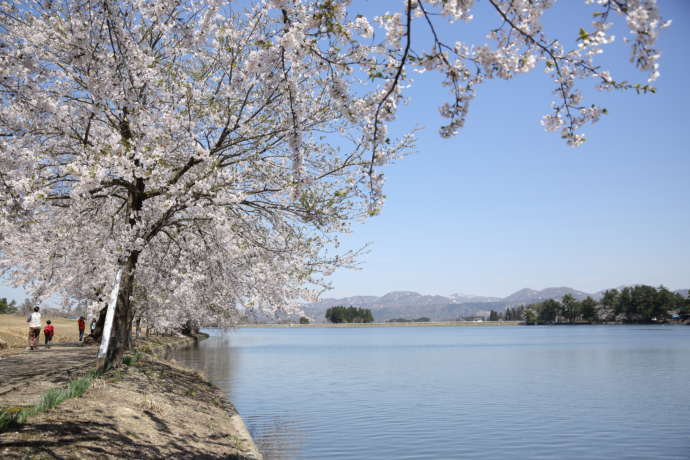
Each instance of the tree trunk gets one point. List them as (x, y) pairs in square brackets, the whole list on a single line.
[(97, 333), (121, 332), (190, 328)]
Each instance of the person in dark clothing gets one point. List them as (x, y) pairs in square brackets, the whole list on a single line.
[(82, 325)]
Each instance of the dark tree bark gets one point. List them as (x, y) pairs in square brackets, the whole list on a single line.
[(138, 326), (121, 332), (97, 333), (190, 328)]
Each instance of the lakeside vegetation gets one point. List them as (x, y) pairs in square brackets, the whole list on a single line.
[(7, 307), (342, 314), (337, 325), (631, 305)]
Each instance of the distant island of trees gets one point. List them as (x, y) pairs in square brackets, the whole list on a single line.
[(637, 304), (342, 314)]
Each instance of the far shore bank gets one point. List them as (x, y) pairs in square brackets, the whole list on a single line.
[(411, 324), (445, 324)]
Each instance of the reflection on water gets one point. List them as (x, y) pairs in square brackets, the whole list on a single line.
[(457, 392), (215, 358), (279, 439)]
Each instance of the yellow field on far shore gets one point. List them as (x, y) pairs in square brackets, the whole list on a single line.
[(430, 324)]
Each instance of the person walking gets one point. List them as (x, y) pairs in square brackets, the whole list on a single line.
[(48, 333), (34, 328), (81, 322)]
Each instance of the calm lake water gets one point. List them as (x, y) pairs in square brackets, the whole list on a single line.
[(585, 392)]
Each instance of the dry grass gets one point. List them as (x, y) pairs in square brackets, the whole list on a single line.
[(14, 330), (154, 404)]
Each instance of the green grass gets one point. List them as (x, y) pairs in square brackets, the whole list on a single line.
[(236, 441), (52, 398), (132, 359)]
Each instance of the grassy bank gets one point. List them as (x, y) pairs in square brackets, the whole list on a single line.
[(16, 416), (430, 324)]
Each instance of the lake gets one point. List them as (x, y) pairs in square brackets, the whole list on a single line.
[(490, 392)]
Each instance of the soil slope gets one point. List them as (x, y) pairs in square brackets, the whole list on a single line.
[(149, 409)]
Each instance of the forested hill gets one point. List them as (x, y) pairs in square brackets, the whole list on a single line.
[(409, 304)]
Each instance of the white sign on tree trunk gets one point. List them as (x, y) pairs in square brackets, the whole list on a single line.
[(107, 328)]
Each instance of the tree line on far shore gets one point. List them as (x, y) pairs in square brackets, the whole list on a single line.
[(7, 307), (636, 304), (341, 314)]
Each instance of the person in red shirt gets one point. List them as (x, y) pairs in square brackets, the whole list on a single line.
[(48, 332), (82, 325)]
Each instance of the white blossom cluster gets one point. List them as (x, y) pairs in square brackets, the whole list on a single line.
[(519, 43), (216, 152)]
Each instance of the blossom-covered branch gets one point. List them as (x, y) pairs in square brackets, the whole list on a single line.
[(216, 153)]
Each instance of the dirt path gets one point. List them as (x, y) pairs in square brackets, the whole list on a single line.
[(25, 376), (151, 409)]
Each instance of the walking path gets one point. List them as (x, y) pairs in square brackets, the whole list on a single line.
[(148, 409), (25, 376)]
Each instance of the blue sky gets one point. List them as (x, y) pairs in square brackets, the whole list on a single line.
[(506, 205)]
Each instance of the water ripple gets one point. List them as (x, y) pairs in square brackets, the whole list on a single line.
[(456, 393)]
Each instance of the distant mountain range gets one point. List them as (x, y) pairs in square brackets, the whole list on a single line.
[(683, 292), (409, 304)]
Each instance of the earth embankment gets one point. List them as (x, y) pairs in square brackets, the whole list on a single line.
[(150, 408)]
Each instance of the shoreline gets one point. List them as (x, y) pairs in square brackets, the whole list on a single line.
[(446, 324), (147, 408), (411, 324)]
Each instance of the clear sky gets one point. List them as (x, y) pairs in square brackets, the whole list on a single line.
[(506, 205)]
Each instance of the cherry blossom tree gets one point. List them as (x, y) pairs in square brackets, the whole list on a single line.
[(214, 150)]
